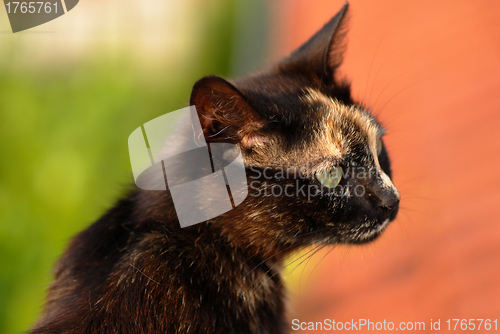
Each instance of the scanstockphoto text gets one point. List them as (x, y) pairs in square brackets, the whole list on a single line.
[(473, 324), (262, 181)]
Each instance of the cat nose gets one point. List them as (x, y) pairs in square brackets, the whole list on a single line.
[(388, 194), (389, 200)]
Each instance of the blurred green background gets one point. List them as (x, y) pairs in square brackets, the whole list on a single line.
[(71, 92)]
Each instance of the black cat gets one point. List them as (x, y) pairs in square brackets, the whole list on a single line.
[(136, 270)]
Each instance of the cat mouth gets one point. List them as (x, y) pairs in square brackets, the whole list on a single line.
[(370, 235), (368, 231)]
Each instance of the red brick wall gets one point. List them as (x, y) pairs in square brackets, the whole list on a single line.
[(431, 71)]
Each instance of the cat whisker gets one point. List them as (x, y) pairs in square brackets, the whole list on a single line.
[(268, 258), (282, 259), (307, 255), (406, 209), (307, 262), (317, 249), (297, 245), (317, 263), (142, 273), (400, 91), (379, 70), (385, 87), (215, 134), (371, 65)]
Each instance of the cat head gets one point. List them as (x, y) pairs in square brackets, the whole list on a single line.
[(317, 168)]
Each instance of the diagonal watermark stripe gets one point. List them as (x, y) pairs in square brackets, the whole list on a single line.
[(205, 180)]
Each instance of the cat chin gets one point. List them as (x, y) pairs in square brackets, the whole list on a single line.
[(370, 235), (361, 234)]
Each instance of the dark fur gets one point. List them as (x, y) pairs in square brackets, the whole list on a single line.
[(136, 271)]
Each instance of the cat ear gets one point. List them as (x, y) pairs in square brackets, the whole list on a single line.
[(225, 114), (322, 53)]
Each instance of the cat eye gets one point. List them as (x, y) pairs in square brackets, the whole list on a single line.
[(379, 146), (331, 177)]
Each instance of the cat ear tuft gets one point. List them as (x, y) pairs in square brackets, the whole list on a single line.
[(322, 54), (225, 114)]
